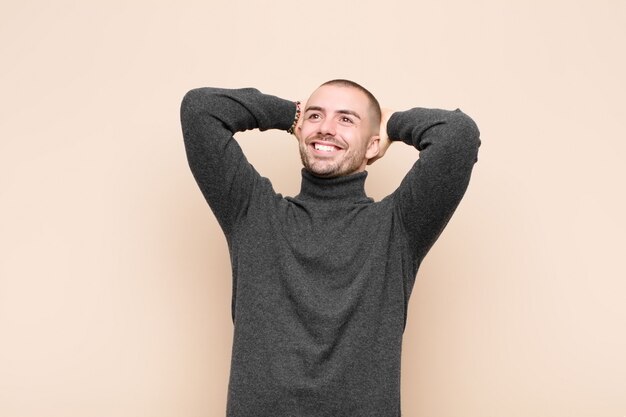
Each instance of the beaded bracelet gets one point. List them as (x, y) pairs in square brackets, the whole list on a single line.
[(292, 129)]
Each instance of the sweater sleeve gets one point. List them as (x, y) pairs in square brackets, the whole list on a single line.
[(448, 142), (209, 118)]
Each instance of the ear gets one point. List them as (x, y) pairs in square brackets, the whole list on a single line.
[(373, 147), (298, 130)]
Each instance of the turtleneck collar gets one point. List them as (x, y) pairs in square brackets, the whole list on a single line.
[(349, 188)]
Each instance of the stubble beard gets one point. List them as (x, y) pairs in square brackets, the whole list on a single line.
[(348, 164)]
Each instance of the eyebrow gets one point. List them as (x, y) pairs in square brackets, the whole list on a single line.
[(350, 112)]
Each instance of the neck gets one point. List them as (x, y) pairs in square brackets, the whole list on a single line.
[(347, 188)]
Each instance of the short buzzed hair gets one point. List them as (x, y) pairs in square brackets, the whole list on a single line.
[(374, 105)]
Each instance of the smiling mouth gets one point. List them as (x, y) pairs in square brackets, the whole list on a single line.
[(325, 148)]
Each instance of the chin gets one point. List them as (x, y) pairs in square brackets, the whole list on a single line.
[(323, 173)]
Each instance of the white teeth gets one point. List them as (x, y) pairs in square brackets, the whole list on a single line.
[(325, 148)]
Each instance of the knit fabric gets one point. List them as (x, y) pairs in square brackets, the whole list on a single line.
[(322, 280)]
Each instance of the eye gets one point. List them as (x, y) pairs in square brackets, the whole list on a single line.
[(346, 119), (313, 116)]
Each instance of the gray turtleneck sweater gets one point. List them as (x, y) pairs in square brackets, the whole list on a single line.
[(321, 281)]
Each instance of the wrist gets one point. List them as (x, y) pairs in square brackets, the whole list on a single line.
[(296, 118)]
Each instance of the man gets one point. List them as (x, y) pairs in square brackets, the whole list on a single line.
[(321, 281)]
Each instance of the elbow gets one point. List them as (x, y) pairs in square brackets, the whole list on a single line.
[(197, 106), (193, 113), (465, 133), (465, 127), (190, 105)]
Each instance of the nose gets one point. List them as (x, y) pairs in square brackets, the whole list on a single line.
[(327, 127)]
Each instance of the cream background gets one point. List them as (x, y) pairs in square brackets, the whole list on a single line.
[(114, 276)]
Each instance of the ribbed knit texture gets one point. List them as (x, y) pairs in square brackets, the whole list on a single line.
[(321, 281)]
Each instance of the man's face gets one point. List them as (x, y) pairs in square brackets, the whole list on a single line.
[(336, 136)]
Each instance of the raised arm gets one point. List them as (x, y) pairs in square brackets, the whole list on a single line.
[(448, 142), (209, 119)]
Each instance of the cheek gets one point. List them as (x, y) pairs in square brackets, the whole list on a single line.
[(304, 131)]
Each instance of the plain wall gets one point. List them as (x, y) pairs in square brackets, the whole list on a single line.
[(114, 275)]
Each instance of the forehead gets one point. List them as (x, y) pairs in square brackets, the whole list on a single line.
[(333, 97)]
